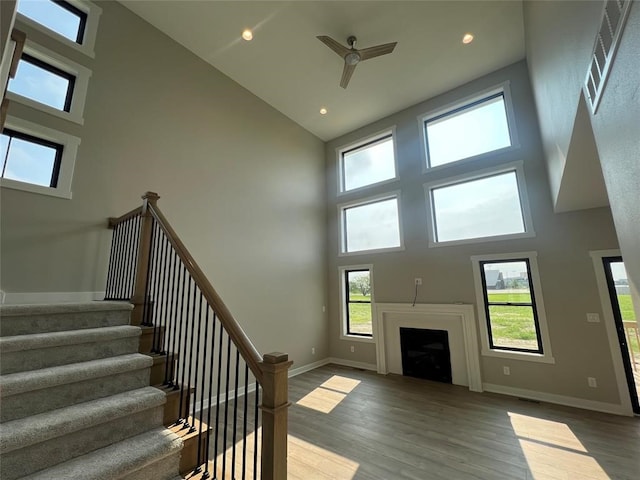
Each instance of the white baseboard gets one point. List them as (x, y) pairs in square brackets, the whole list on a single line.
[(31, 298), (308, 367), (558, 399), (351, 363)]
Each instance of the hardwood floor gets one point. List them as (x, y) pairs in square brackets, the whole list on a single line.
[(349, 424)]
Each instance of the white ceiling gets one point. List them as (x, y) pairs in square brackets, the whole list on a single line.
[(290, 69)]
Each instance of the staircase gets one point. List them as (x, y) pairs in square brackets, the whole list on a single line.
[(75, 397)]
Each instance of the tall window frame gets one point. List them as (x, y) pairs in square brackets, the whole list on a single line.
[(543, 353), (58, 148), (347, 331)]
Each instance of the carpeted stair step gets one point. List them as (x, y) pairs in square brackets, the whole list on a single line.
[(151, 455), (21, 353), (29, 393), (31, 319), (41, 441)]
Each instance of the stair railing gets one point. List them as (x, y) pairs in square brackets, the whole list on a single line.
[(207, 355)]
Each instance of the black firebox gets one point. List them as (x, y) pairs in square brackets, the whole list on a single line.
[(425, 354)]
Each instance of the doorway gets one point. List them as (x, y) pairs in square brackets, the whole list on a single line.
[(625, 323)]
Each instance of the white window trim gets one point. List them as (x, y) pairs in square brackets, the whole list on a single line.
[(363, 201), (340, 150), (547, 355), (503, 88), (343, 304), (516, 167), (90, 32), (79, 95), (67, 163)]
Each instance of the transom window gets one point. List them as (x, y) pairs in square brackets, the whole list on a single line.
[(468, 130), (367, 163), (43, 83), (59, 16), (510, 307), (372, 224), (357, 307), (482, 205), (30, 159)]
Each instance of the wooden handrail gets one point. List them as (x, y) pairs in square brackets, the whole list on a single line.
[(113, 221), (232, 327)]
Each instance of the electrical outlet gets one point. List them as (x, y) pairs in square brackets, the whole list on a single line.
[(353, 349), (313, 350), (418, 281), (593, 318), (592, 382), (324, 308), (506, 370)]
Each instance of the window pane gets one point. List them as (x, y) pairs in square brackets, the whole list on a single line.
[(41, 85), (623, 290), (360, 319), (485, 207), (372, 226), (29, 162), (468, 132), (507, 282), (368, 165), (54, 17), (513, 327)]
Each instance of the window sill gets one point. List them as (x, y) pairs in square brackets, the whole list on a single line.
[(357, 338), (496, 238), (32, 188), (377, 250), (524, 356)]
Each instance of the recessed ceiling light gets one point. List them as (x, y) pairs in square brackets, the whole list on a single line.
[(468, 38), (323, 111), (247, 34)]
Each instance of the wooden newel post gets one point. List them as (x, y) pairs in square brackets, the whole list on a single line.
[(144, 253), (275, 404)]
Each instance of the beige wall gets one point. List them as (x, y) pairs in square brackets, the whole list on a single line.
[(563, 243), (242, 184)]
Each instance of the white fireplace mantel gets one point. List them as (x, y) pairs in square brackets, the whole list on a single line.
[(457, 319)]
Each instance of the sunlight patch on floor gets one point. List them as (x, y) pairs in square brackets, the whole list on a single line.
[(328, 396), (552, 450)]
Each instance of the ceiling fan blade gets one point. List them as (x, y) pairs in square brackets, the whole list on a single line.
[(346, 74), (372, 52), (333, 45)]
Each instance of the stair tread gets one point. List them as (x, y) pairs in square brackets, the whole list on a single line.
[(61, 308), (38, 428), (16, 383), (116, 460), (68, 337)]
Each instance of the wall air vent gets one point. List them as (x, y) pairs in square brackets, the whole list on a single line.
[(614, 16)]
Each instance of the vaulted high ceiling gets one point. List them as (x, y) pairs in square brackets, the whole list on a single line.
[(290, 69)]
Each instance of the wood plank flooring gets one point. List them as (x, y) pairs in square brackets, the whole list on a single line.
[(349, 424)]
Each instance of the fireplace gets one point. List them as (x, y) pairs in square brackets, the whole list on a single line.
[(457, 320), (425, 354)]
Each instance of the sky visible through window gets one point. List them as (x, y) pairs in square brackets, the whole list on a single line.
[(372, 226), (485, 207), (371, 164), (41, 85), (52, 16), (25, 161), (479, 129)]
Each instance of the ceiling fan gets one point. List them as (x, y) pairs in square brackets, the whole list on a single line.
[(352, 56)]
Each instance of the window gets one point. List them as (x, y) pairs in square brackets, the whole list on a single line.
[(43, 83), (474, 128), (367, 163), (73, 23), (37, 159), (356, 285), (510, 306), (489, 204), (29, 159), (371, 225), (50, 83), (61, 17)]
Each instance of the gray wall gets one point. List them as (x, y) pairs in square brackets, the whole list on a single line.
[(562, 242), (241, 183)]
